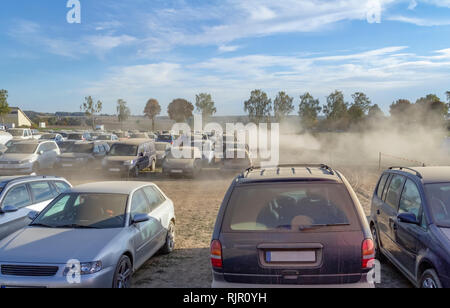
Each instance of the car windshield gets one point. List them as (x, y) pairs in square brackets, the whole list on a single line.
[(183, 154), (65, 145), (161, 147), (20, 148), (104, 137), (80, 148), (165, 137), (81, 210), (123, 150), (75, 137), (16, 132), (289, 207), (438, 197), (48, 137)]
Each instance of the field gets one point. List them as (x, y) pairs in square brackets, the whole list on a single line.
[(196, 204)]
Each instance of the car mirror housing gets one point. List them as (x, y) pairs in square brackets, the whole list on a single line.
[(139, 218), (9, 209), (408, 218), (33, 215)]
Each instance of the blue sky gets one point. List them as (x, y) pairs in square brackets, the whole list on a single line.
[(165, 49)]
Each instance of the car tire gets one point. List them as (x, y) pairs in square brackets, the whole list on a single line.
[(378, 254), (430, 280), (169, 245), (123, 274)]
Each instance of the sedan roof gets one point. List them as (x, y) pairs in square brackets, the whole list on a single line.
[(124, 188)]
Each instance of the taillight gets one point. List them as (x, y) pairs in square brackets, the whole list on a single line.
[(216, 254), (368, 254)]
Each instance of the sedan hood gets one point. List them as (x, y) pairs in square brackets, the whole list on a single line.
[(120, 158), (16, 157), (55, 246)]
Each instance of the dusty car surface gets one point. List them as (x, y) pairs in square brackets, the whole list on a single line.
[(21, 133), (83, 156), (21, 195), (113, 228), (410, 221), (29, 157), (183, 161), (236, 160), (292, 226), (162, 149), (130, 157)]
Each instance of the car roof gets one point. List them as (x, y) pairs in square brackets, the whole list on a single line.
[(135, 141), (428, 175), (110, 187), (4, 180), (291, 173)]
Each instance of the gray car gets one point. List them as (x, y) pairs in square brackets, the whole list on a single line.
[(29, 157), (21, 195), (162, 148), (94, 235), (182, 161)]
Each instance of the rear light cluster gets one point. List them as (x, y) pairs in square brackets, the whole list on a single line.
[(216, 254), (368, 254)]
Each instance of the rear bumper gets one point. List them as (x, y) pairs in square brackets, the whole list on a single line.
[(220, 283)]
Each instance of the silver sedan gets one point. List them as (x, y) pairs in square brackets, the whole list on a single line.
[(94, 235)]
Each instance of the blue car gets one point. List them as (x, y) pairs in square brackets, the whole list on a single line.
[(410, 223)]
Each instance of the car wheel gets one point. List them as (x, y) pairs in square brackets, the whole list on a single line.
[(169, 246), (123, 274), (430, 280), (376, 242)]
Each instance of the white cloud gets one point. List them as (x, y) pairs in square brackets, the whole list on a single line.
[(227, 48), (420, 21), (412, 5)]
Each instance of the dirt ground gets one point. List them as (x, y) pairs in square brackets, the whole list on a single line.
[(196, 204)]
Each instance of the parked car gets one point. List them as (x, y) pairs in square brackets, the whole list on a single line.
[(3, 149), (237, 160), (79, 136), (410, 222), (294, 226), (29, 157), (166, 138), (83, 155), (130, 157), (108, 137), (139, 136), (122, 135), (162, 148), (112, 228), (182, 161), (21, 195), (63, 146), (5, 137), (206, 147), (21, 133), (58, 138), (36, 134)]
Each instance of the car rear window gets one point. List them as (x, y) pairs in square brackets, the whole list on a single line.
[(289, 207)]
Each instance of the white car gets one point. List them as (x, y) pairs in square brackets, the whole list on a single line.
[(21, 133), (5, 137), (21, 195)]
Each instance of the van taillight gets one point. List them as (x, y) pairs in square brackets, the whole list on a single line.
[(368, 254), (216, 254)]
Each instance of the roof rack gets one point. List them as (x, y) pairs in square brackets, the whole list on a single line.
[(407, 168), (291, 166)]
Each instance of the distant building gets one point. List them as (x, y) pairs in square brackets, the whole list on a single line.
[(17, 117)]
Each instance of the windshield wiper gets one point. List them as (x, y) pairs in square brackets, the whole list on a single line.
[(75, 226), (303, 228), (41, 225)]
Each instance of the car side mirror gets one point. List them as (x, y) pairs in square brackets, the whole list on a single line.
[(41, 152), (408, 218), (141, 154), (139, 218), (10, 209), (33, 215)]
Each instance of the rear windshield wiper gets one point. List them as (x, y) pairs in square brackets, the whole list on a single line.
[(75, 226), (303, 228)]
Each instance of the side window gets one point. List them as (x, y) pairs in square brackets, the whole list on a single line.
[(381, 185), (394, 191), (53, 146), (18, 197), (154, 197), (42, 191), (61, 186), (139, 204), (410, 201)]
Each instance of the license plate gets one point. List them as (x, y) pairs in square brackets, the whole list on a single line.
[(114, 170), (177, 171), (67, 165), (290, 256)]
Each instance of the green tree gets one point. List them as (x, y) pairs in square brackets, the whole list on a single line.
[(283, 106), (4, 106), (123, 112), (91, 109), (336, 107), (152, 109), (205, 105), (309, 110), (258, 106), (180, 110), (400, 107), (355, 114), (362, 101), (375, 112)]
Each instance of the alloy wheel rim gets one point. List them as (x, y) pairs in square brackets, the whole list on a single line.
[(123, 275), (429, 283), (171, 237)]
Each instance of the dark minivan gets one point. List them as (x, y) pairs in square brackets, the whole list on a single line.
[(410, 223), (291, 226)]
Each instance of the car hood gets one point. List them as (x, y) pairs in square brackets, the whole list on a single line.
[(120, 158), (74, 155), (175, 162), (16, 157), (55, 246)]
